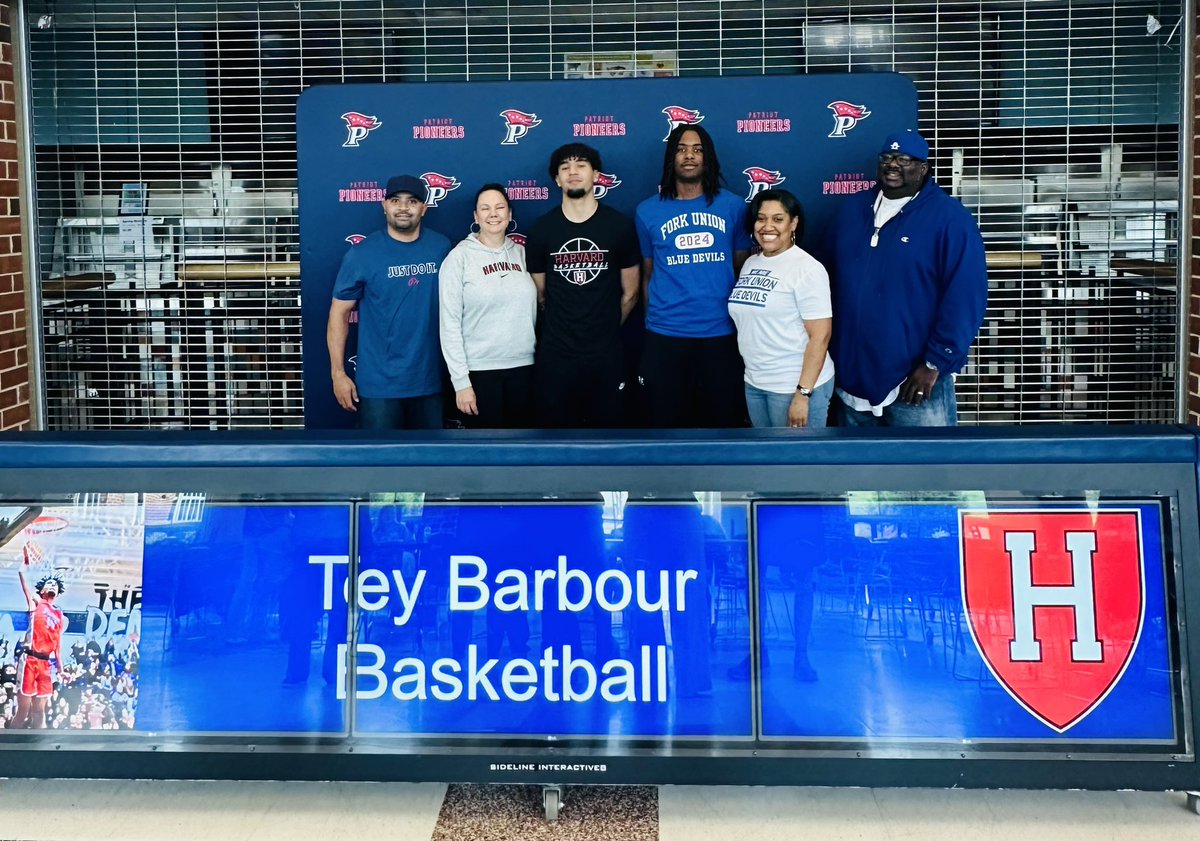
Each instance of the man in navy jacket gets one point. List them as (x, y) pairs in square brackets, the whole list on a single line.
[(909, 282)]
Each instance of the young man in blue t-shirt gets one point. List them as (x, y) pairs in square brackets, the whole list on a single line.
[(693, 243), (391, 277)]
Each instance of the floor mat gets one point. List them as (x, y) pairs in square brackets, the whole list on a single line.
[(587, 813)]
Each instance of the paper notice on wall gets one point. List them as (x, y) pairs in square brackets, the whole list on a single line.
[(620, 65), (136, 234)]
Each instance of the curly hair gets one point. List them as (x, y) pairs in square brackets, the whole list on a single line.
[(573, 152), (46, 579)]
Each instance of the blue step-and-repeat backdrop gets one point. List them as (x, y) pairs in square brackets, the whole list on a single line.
[(816, 136)]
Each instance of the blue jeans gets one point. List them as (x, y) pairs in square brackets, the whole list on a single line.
[(768, 408), (423, 412), (940, 409)]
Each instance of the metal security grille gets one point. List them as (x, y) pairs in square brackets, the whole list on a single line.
[(1056, 122)]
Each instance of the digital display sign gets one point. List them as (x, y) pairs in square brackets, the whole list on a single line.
[(236, 639), (71, 614), (931, 621), (938, 620), (559, 619)]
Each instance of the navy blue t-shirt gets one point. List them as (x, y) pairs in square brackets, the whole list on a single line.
[(692, 244), (395, 284)]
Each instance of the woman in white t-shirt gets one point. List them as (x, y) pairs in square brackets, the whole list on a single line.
[(784, 319)]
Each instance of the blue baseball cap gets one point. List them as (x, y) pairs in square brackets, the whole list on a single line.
[(406, 184), (906, 142)]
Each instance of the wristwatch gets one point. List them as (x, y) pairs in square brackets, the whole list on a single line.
[(804, 392)]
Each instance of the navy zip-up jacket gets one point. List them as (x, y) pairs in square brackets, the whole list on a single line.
[(918, 296)]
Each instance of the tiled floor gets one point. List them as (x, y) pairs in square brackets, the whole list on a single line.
[(57, 810)]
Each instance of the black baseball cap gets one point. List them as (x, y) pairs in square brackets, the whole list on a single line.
[(405, 184)]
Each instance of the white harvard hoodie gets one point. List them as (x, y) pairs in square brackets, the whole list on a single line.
[(488, 309)]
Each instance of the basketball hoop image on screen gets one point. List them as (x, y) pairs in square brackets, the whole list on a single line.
[(39, 536), (14, 520), (37, 531)]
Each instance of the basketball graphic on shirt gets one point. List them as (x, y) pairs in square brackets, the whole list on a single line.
[(580, 261)]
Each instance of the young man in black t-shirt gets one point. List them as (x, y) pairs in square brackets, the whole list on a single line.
[(584, 258)]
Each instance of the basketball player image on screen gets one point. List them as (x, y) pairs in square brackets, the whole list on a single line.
[(42, 652)]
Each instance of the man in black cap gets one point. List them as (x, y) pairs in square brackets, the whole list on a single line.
[(391, 277), (909, 283)]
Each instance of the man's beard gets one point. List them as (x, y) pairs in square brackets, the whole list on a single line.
[(576, 192)]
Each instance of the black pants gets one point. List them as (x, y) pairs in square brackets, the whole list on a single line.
[(580, 392), (504, 397), (692, 382)]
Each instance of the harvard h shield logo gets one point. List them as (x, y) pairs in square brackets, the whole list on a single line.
[(1054, 601)]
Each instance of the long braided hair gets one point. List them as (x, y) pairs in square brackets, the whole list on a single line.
[(710, 179)]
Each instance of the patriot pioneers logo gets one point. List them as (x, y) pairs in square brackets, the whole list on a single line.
[(516, 125), (518, 238), (437, 186), (355, 239), (1054, 601), (846, 116), (604, 183), (678, 116), (761, 179), (358, 126)]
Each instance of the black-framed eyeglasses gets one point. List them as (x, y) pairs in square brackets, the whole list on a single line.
[(896, 157)]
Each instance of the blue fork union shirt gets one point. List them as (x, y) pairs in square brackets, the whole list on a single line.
[(692, 244), (395, 284)]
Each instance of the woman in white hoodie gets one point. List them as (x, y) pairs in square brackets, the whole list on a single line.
[(488, 311)]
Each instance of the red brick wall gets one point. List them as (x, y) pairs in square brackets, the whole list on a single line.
[(1193, 355), (14, 342)]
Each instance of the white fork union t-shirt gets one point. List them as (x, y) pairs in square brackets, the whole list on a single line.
[(772, 298)]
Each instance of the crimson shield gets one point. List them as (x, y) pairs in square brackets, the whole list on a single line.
[(1054, 600)]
